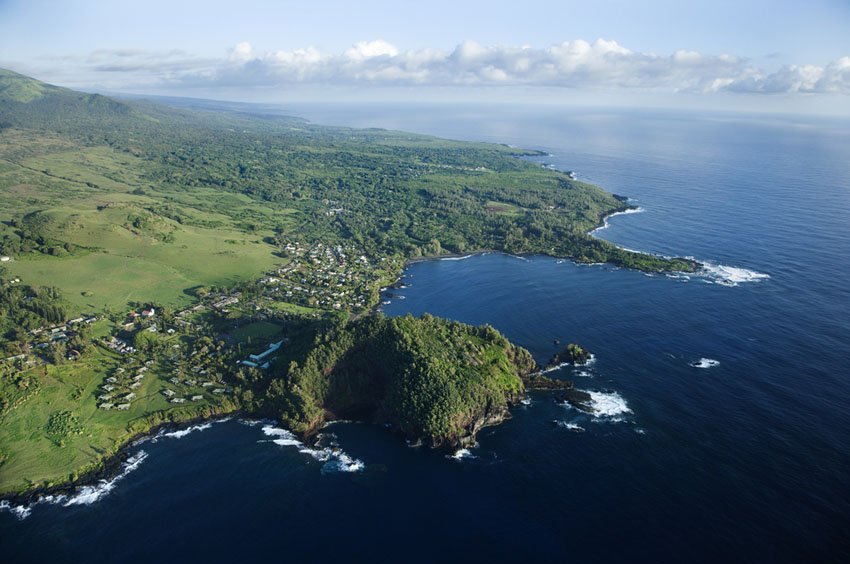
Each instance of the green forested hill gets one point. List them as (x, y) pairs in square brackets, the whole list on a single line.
[(431, 379)]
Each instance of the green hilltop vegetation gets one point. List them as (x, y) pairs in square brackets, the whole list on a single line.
[(147, 248), (401, 372)]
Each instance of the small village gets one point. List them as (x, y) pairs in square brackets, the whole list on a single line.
[(332, 277)]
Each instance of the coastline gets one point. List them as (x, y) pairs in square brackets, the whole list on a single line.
[(110, 466)]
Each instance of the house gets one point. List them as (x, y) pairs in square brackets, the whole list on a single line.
[(123, 406), (197, 398), (178, 400), (168, 393), (129, 396), (5, 258), (148, 312), (106, 406)]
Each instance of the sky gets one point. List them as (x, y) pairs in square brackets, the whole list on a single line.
[(778, 56)]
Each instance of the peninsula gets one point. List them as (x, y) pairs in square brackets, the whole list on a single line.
[(166, 264)]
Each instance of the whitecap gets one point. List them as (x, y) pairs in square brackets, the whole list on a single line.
[(343, 463), (705, 363), (86, 495), (525, 401), (554, 368), (462, 454), (608, 405), (457, 258), (591, 360), (334, 458), (730, 275), (569, 425), (606, 225), (282, 436), (180, 433), (19, 511)]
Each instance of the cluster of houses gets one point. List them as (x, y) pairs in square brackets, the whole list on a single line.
[(43, 337), (223, 303), (324, 276), (118, 390), (133, 316), (192, 387), (119, 345), (62, 332)]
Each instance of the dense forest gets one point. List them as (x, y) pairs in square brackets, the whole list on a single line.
[(431, 379)]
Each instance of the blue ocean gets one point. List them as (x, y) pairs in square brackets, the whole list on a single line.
[(721, 422)]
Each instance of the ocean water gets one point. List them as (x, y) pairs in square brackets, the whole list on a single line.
[(721, 429)]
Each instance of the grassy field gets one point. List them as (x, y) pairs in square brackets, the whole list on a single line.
[(257, 331), (131, 247), (33, 445)]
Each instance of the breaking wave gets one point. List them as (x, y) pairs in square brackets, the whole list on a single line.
[(19, 511), (83, 495), (87, 495), (462, 454), (730, 275), (334, 458), (606, 225), (705, 363), (570, 426), (180, 433), (609, 405), (464, 257)]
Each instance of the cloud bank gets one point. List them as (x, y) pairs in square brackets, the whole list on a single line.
[(577, 64)]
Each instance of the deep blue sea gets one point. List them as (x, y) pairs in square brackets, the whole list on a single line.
[(722, 429)]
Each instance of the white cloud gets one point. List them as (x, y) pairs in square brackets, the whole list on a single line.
[(368, 49), (575, 64)]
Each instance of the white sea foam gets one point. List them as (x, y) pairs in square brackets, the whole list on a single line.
[(86, 495), (251, 422), (19, 511), (462, 454), (640, 431), (457, 258), (342, 462), (334, 458), (608, 405), (606, 225), (730, 275), (705, 363), (525, 401), (180, 433), (554, 368), (591, 360), (569, 425)]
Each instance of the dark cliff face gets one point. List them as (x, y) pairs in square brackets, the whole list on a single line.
[(435, 381)]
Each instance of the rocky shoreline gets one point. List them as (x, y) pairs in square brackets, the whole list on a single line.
[(109, 467)]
